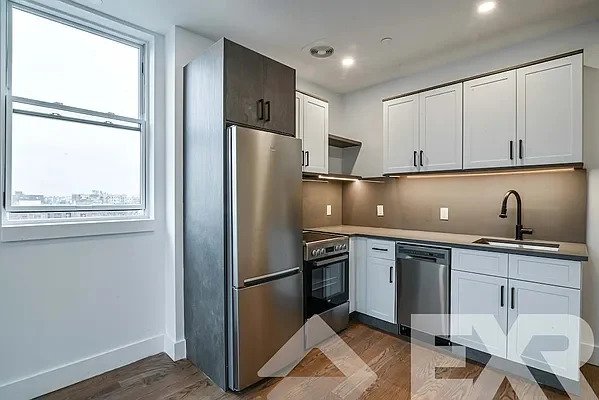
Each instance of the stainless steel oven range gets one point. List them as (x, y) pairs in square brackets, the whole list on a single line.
[(326, 278)]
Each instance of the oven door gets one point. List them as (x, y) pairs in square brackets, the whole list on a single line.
[(327, 284)]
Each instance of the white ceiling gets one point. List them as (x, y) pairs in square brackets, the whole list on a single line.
[(425, 32)]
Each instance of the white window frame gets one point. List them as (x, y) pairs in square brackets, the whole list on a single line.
[(82, 18)]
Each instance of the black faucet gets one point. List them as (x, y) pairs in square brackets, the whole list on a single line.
[(520, 231)]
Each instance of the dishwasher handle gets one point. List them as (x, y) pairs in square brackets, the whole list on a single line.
[(417, 258), (427, 254)]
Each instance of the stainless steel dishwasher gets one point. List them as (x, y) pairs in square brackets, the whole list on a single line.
[(423, 288)]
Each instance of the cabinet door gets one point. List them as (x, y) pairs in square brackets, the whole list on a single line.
[(473, 294), (316, 135), (244, 85), (279, 95), (441, 128), (490, 121), (381, 290), (299, 114), (360, 261), (550, 112), (542, 343), (400, 135)]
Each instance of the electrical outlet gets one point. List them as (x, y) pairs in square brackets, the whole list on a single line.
[(380, 211), (444, 214), (329, 210)]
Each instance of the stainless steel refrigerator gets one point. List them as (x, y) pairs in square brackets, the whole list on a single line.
[(265, 299)]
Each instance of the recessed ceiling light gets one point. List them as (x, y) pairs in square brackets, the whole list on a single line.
[(322, 51), (348, 62), (486, 7)]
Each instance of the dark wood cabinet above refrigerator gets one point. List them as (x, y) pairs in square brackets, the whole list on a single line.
[(259, 91)]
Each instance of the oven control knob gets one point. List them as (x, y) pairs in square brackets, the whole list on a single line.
[(344, 247), (314, 253), (321, 252)]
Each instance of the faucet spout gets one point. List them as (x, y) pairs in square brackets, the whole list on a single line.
[(520, 230)]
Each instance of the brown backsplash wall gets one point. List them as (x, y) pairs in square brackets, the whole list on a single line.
[(554, 204), (316, 197)]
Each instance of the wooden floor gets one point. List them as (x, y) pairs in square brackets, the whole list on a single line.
[(389, 357)]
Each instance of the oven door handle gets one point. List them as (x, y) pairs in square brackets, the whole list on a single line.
[(328, 261)]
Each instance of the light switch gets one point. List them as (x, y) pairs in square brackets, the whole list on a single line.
[(380, 211), (444, 214), (329, 210)]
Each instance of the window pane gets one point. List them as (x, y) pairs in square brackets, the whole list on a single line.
[(54, 62), (58, 163)]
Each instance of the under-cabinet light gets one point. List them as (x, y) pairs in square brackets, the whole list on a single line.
[(337, 178), (466, 174)]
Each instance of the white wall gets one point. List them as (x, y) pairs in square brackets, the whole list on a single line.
[(363, 115), (182, 47), (73, 308)]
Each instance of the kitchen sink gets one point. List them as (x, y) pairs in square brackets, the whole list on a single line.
[(517, 244)]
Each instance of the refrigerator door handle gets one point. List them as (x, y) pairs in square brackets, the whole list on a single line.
[(270, 277)]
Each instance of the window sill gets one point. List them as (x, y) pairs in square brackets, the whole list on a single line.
[(42, 231)]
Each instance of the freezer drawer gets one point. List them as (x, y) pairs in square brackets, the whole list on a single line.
[(264, 318)]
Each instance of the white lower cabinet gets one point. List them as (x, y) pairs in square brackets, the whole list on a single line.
[(380, 289), (544, 330), (479, 312), (540, 320), (358, 259)]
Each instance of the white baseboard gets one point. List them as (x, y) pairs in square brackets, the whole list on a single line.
[(68, 374), (175, 350), (594, 360)]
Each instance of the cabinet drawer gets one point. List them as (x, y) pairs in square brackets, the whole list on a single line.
[(480, 262), (381, 249), (545, 270)]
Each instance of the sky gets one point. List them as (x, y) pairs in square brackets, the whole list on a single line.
[(53, 62)]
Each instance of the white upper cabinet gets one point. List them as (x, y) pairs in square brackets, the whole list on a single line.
[(490, 121), (299, 115), (523, 117), (441, 129), (400, 135), (423, 132), (312, 127), (550, 112)]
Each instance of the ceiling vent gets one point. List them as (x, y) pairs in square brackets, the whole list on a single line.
[(322, 51)]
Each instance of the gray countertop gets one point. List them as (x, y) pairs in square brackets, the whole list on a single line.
[(568, 251)]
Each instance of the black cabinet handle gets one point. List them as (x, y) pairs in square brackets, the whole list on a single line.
[(520, 149), (390, 274), (511, 149), (513, 298), (267, 105), (303, 158), (415, 157), (260, 109), (307, 158), (502, 296), (379, 249), (421, 158)]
